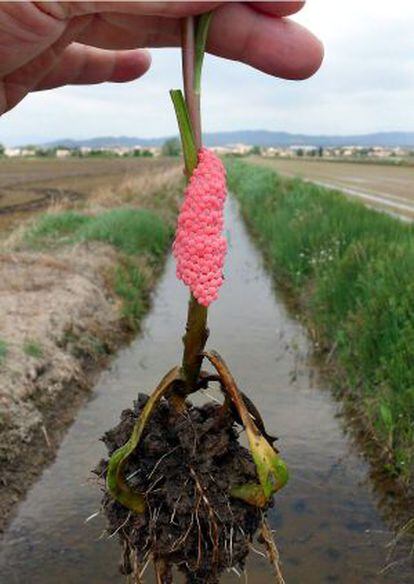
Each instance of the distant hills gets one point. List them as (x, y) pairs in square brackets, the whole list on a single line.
[(253, 137)]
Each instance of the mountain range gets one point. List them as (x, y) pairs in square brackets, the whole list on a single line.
[(253, 137)]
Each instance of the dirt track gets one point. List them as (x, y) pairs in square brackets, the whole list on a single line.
[(387, 187)]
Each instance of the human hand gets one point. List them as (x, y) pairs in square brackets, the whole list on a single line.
[(50, 44)]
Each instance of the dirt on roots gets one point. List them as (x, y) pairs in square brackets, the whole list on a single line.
[(185, 465)]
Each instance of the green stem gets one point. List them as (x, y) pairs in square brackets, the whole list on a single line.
[(194, 340), (196, 333), (189, 123)]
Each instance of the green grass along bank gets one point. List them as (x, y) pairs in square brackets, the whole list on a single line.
[(351, 271), (139, 235)]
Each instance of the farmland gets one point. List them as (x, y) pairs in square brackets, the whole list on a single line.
[(384, 186), (27, 186)]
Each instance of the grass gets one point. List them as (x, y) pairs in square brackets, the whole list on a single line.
[(136, 233), (352, 270), (32, 348), (3, 351), (131, 285), (135, 215), (86, 345), (132, 231), (56, 226)]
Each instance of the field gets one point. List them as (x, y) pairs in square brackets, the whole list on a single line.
[(384, 186), (27, 186), (350, 270)]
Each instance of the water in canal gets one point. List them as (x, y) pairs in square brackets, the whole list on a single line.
[(327, 523)]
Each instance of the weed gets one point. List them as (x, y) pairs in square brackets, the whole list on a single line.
[(130, 284), (33, 349), (52, 227), (3, 351), (132, 231), (135, 233), (352, 268)]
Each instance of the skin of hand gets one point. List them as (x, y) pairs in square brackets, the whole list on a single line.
[(50, 44)]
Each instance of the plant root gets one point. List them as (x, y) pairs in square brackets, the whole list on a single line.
[(272, 551), (185, 465)]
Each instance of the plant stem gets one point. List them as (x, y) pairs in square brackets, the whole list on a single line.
[(196, 333), (194, 340), (192, 98)]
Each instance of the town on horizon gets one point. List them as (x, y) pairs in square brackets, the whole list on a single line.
[(395, 153)]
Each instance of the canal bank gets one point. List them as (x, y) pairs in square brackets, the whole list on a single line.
[(328, 522)]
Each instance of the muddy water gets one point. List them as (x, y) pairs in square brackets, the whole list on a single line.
[(328, 526)]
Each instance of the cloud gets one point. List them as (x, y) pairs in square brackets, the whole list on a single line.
[(366, 84)]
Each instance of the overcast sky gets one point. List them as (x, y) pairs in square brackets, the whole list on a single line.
[(366, 84)]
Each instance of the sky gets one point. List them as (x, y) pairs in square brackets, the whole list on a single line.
[(366, 84)]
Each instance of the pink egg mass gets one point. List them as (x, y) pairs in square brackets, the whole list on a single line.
[(199, 246)]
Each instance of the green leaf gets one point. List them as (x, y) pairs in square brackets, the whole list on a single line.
[(386, 416), (271, 469), (115, 479), (186, 130), (203, 24)]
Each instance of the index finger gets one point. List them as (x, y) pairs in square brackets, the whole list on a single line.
[(275, 45), (279, 9), (65, 10)]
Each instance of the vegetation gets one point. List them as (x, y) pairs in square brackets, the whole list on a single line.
[(132, 231), (352, 269), (171, 147), (3, 351), (32, 348), (144, 153), (138, 234), (199, 251), (131, 285), (56, 227)]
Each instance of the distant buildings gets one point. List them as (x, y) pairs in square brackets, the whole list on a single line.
[(63, 153), (301, 150), (343, 152), (19, 152), (236, 149), (83, 151), (294, 151), (12, 152)]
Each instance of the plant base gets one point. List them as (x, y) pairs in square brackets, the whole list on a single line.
[(186, 465)]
